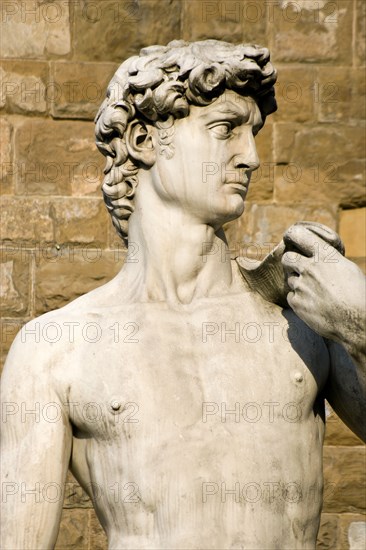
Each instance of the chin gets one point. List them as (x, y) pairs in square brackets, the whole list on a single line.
[(230, 210), (236, 205)]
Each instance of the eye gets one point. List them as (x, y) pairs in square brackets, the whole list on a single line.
[(221, 130)]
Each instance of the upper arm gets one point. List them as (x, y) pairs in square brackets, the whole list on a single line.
[(346, 389), (36, 447)]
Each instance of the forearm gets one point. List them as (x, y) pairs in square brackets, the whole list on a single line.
[(352, 336), (346, 386), (34, 463), (27, 526)]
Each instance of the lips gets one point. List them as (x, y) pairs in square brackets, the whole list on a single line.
[(242, 188)]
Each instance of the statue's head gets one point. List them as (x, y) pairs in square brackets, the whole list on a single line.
[(161, 85)]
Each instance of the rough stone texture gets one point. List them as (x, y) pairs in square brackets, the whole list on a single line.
[(263, 225), (337, 433), (75, 496), (352, 531), (24, 86), (360, 24), (112, 31), (319, 164), (79, 88), (80, 221), (6, 157), (74, 530), (26, 220), (304, 33), (48, 166), (357, 535), (44, 26), (340, 95), (60, 221), (318, 120), (295, 93), (327, 536), (14, 283), (344, 479), (352, 228), (72, 272), (231, 21), (97, 534)]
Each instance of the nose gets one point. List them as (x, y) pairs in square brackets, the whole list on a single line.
[(248, 157)]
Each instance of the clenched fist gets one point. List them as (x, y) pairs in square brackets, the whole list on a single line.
[(327, 291)]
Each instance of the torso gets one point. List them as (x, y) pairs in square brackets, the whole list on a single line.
[(217, 442)]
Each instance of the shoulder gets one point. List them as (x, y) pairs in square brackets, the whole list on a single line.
[(52, 342), (42, 345)]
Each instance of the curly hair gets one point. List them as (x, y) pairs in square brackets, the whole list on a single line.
[(158, 86)]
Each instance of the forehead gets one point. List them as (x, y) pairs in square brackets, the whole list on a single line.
[(232, 104)]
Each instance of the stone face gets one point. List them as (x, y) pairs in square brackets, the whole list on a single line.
[(352, 229), (62, 276), (319, 164), (344, 480), (230, 20), (68, 164), (113, 31), (79, 88), (6, 156), (44, 25), (24, 86), (312, 31), (327, 536)]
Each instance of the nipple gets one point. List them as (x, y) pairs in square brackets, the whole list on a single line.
[(115, 405)]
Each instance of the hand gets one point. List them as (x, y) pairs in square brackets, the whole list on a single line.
[(327, 291)]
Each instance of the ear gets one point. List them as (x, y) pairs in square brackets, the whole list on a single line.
[(139, 143)]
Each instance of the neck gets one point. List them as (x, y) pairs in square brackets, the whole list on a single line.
[(172, 256)]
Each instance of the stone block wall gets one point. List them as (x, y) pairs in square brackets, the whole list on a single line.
[(57, 57)]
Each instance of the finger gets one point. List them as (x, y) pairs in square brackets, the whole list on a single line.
[(290, 297), (292, 301), (325, 233), (293, 262), (300, 239), (293, 282)]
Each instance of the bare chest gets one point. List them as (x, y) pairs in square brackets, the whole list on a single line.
[(179, 369)]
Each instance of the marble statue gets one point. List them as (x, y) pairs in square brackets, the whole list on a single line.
[(187, 394)]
